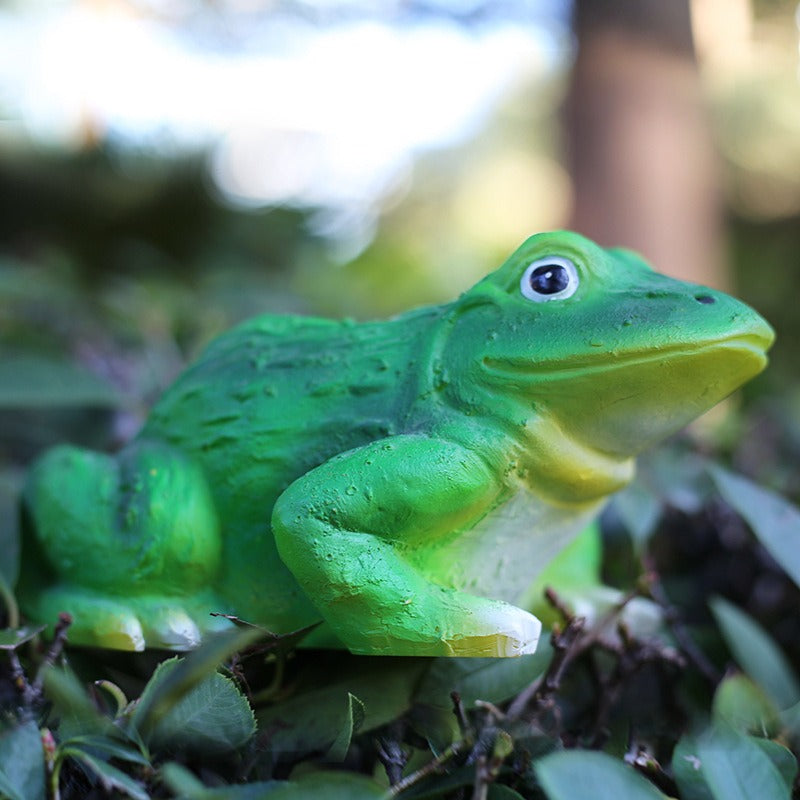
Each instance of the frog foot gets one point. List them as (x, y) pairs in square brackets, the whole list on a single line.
[(131, 623)]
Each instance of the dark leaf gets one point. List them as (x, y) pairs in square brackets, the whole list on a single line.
[(109, 775), (756, 653), (589, 775), (186, 786), (491, 679), (72, 706), (211, 718), (12, 639), (166, 689), (111, 748), (354, 717), (744, 706), (774, 520), (35, 382), (330, 786), (311, 719), (640, 510), (10, 485), (22, 762), (723, 764)]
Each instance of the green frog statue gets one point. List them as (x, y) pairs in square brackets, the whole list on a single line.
[(402, 481)]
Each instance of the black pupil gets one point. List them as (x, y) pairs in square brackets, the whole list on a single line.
[(549, 279)]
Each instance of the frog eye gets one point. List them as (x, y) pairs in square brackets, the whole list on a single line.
[(552, 278)]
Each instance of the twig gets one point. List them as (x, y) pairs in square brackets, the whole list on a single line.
[(32, 691), (428, 769), (496, 714), (672, 618), (461, 717), (54, 651), (538, 693), (483, 778), (20, 681), (646, 763), (391, 753)]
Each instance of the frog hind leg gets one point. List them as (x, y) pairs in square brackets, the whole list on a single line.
[(126, 545)]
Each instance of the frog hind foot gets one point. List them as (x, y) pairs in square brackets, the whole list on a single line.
[(117, 623), (139, 523)]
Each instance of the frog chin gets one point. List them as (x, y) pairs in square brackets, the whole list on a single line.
[(621, 403)]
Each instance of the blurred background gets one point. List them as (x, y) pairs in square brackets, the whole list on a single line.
[(168, 167)]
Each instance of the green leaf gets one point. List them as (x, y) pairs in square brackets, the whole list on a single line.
[(186, 786), (640, 510), (756, 653), (686, 768), (36, 382), (436, 724), (311, 719), (248, 791), (588, 775), (330, 786), (110, 777), (790, 718), (12, 638), (723, 764), (109, 747), (166, 688), (181, 781), (743, 704), (781, 757), (10, 486), (438, 786), (354, 717), (22, 762), (493, 680), (774, 520), (213, 717), (72, 705), (499, 791)]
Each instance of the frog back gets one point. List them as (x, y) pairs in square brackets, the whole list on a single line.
[(279, 395)]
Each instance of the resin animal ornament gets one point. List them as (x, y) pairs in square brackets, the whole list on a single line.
[(403, 481)]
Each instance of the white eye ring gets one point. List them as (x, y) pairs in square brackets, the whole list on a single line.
[(551, 278)]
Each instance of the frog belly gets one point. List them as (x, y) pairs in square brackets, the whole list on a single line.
[(504, 552)]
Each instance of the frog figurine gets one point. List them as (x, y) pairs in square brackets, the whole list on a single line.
[(402, 481)]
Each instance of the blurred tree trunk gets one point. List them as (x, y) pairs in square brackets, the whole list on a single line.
[(639, 144)]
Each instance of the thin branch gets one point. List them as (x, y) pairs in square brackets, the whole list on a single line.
[(538, 693), (428, 769), (672, 618), (54, 651), (391, 754)]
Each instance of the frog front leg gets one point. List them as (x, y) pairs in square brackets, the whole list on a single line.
[(128, 545), (355, 532)]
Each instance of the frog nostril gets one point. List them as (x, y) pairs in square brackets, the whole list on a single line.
[(706, 299)]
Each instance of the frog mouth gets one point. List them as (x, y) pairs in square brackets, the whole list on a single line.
[(619, 404), (750, 347)]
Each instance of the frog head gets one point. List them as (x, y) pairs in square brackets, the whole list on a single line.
[(595, 353)]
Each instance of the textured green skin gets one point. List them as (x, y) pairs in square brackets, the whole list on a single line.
[(382, 476)]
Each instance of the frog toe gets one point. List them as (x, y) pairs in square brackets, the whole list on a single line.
[(97, 621), (180, 625), (501, 631), (172, 629), (521, 636)]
